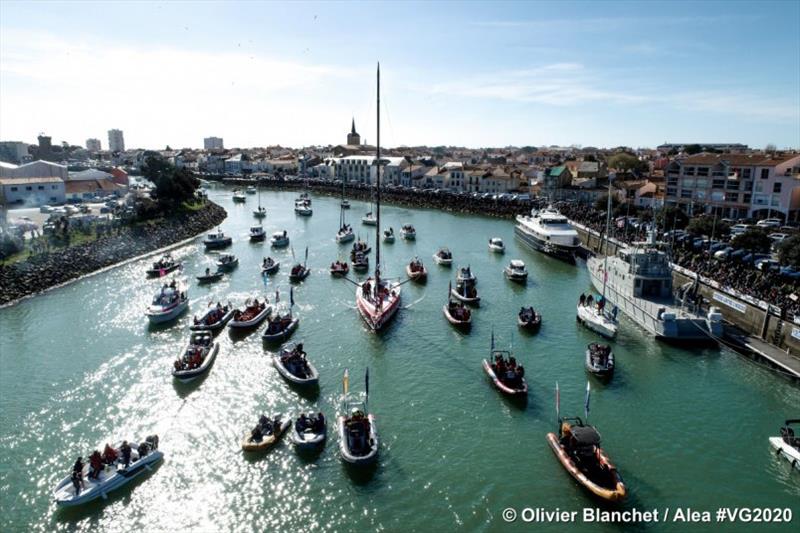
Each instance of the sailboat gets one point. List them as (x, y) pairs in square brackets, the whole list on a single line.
[(260, 211), (378, 299), (591, 312), (369, 219), (300, 271), (345, 233)]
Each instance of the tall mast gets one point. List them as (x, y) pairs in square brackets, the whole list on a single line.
[(608, 225), (378, 189)]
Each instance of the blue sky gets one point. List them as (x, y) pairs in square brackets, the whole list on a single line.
[(471, 74)]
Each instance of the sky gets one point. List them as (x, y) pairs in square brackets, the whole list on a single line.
[(470, 74)]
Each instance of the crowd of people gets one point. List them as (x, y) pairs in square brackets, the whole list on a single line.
[(315, 423), (122, 456), (768, 286)]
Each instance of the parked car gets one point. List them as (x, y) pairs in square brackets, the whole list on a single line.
[(753, 257), (45, 209), (738, 254), (724, 253), (790, 272), (738, 229), (778, 237), (769, 223), (765, 265)]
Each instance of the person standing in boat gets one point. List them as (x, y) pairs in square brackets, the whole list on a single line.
[(77, 476), (109, 455), (125, 450), (95, 465)]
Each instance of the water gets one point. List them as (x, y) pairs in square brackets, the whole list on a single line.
[(79, 366)]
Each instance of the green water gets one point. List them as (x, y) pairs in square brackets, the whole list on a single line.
[(79, 366)]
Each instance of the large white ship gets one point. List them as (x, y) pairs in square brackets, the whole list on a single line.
[(639, 283), (548, 231)]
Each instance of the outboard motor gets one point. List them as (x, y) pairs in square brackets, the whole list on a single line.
[(714, 321)]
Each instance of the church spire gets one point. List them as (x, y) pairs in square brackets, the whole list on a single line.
[(353, 129)]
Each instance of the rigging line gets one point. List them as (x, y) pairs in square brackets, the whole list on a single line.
[(389, 120)]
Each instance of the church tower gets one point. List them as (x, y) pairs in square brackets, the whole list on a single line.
[(353, 138)]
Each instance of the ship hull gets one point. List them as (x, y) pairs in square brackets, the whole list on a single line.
[(559, 251), (682, 328)]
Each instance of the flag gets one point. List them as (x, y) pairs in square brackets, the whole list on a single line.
[(162, 272), (291, 296), (277, 295), (346, 381), (492, 338), (366, 382), (586, 403), (558, 402)]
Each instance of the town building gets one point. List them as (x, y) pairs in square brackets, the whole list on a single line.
[(736, 185), (213, 143), (116, 141), (353, 138), (45, 148), (13, 152), (723, 147), (93, 145), (34, 169), (32, 191), (356, 169)]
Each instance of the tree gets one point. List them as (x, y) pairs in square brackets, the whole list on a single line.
[(789, 251), (626, 163), (173, 185), (693, 149), (708, 226), (754, 240), (602, 202), (671, 218)]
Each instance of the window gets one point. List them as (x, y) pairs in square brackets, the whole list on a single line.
[(14, 189), (718, 184), (40, 187), (747, 198), (53, 187), (29, 188), (732, 185), (731, 197), (746, 173), (764, 173), (686, 194), (688, 171), (776, 188), (702, 171)]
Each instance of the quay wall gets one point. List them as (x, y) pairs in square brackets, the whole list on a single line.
[(46, 270), (756, 317)]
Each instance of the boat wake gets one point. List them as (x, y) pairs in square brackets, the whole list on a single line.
[(415, 302)]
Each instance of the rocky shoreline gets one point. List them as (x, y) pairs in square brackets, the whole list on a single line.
[(43, 271), (401, 197)]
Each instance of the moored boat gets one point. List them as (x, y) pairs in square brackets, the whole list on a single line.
[(250, 189), (467, 293), (309, 432), (360, 262), (600, 360), (416, 271), (358, 435), (163, 266), (266, 433), (282, 324), (303, 208), (239, 197), (408, 232), (528, 318), (388, 235), (169, 302), (345, 234), (443, 256), (577, 447), (217, 240), (465, 276), (788, 445), (496, 245), (209, 277), (292, 363), (458, 314), (339, 268), (260, 212), (227, 262), (504, 372), (516, 271), (369, 219), (345, 204), (252, 315), (214, 319), (87, 484), (269, 266), (591, 313), (196, 358), (279, 239), (360, 247), (549, 232), (300, 271), (257, 234)]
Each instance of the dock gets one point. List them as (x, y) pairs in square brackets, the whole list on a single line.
[(779, 358)]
